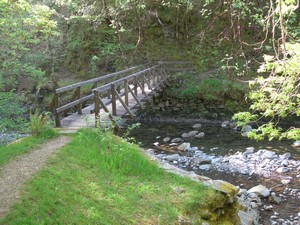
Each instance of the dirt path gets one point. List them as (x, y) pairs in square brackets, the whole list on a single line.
[(20, 170)]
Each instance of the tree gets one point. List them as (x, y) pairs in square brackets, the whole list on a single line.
[(25, 28), (276, 96)]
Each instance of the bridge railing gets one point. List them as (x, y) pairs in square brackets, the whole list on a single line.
[(153, 77), (128, 80), (77, 99)]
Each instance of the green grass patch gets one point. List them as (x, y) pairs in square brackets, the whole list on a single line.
[(25, 145), (189, 86), (101, 179)]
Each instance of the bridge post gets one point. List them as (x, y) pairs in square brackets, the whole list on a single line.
[(56, 105), (97, 107), (135, 86), (126, 92), (78, 96), (113, 99)]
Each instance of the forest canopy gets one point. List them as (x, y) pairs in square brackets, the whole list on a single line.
[(42, 41)]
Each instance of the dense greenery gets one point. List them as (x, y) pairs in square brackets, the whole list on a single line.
[(101, 179), (55, 41)]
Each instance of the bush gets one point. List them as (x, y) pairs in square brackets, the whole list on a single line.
[(11, 112), (39, 123)]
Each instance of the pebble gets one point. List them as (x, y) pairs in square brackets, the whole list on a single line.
[(197, 125), (285, 182), (166, 139), (282, 170)]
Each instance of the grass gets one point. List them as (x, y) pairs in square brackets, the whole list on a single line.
[(101, 179), (189, 86), (22, 146)]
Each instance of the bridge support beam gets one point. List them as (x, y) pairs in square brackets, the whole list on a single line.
[(113, 99), (56, 105), (97, 107)]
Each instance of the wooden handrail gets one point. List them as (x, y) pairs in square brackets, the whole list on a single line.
[(111, 75), (121, 80), (157, 72)]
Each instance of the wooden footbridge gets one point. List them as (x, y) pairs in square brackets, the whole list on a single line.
[(111, 98)]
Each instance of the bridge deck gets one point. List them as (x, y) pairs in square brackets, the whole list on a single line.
[(73, 122)]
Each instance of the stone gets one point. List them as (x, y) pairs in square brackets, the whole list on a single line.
[(177, 140), (225, 124), (285, 156), (268, 155), (158, 137), (172, 157), (166, 139), (150, 151), (285, 181), (197, 125), (173, 144), (228, 189), (185, 135), (184, 146), (282, 170), (297, 143), (274, 199), (205, 167), (285, 163), (193, 133), (245, 218), (247, 129), (156, 143), (249, 150), (200, 135), (260, 190)]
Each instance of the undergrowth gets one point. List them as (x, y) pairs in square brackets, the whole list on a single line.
[(190, 86)]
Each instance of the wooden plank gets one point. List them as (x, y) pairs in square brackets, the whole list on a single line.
[(130, 77), (74, 103), (56, 105), (73, 86), (97, 107), (113, 99), (79, 105), (124, 105), (126, 91)]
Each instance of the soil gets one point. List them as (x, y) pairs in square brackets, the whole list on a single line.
[(14, 175)]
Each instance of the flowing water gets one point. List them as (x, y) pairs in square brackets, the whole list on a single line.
[(222, 141)]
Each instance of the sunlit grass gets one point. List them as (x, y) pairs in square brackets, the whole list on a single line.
[(22, 146), (101, 179)]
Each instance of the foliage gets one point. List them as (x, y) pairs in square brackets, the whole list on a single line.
[(207, 89), (12, 112), (277, 96), (39, 122), (99, 175), (23, 26)]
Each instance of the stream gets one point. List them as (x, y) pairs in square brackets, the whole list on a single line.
[(224, 148)]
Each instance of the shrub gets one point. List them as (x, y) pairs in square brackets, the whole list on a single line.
[(39, 122)]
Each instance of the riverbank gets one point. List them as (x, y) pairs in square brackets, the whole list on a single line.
[(223, 153), (99, 177)]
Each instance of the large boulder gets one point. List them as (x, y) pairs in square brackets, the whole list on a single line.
[(228, 189)]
